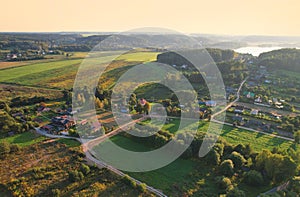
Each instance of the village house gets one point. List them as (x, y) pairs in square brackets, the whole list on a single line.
[(238, 118), (239, 109), (63, 121), (254, 112)]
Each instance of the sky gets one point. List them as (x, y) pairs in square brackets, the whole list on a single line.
[(230, 17)]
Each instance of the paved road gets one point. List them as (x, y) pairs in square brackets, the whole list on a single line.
[(233, 102)]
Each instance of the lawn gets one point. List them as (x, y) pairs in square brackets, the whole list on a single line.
[(165, 178), (258, 141), (24, 139)]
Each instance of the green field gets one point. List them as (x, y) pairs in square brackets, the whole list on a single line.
[(256, 140), (191, 176), (139, 56), (164, 178), (24, 139), (60, 74)]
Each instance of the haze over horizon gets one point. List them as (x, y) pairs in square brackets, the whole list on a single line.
[(232, 17)]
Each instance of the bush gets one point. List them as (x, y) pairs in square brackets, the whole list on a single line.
[(142, 187), (127, 180), (254, 178), (14, 148)]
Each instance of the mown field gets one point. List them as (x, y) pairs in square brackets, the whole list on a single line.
[(235, 136), (24, 139)]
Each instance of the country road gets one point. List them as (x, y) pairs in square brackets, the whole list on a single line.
[(233, 102), (87, 146), (241, 127)]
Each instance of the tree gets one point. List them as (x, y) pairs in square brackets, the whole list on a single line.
[(4, 106), (99, 104), (213, 157), (237, 159), (56, 192), (224, 183), (85, 169), (254, 178), (235, 192), (4, 149), (297, 137), (142, 187), (147, 108), (132, 101), (75, 176), (226, 168), (278, 167)]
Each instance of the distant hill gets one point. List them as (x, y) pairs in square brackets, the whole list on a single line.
[(288, 59)]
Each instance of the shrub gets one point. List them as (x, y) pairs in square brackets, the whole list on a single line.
[(142, 187)]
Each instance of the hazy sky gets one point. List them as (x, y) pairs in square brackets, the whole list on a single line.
[(237, 17)]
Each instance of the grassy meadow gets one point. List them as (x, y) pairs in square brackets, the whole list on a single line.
[(60, 74)]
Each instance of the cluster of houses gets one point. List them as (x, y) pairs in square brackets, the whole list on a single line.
[(59, 124), (26, 55), (240, 110)]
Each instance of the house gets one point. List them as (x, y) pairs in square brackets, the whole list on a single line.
[(63, 121), (249, 94), (11, 56), (211, 103), (184, 66), (254, 112), (47, 128), (251, 123), (64, 133), (182, 106), (237, 118), (258, 100), (18, 114), (239, 109), (252, 83), (124, 110), (268, 81)]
